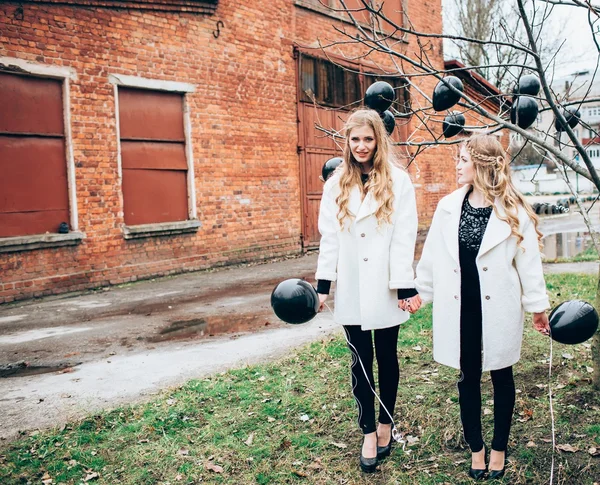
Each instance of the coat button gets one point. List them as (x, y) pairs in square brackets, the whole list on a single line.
[(456, 297), (366, 259), (362, 235), (456, 271), (485, 268), (487, 297)]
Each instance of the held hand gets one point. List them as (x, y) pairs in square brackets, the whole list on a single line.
[(322, 299), (540, 323), (411, 304)]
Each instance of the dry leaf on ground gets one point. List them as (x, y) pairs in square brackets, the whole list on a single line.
[(567, 447), (213, 468), (90, 476), (339, 445)]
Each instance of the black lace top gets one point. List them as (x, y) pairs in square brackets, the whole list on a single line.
[(471, 228)]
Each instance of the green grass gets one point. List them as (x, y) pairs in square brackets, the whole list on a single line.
[(589, 254), (294, 421)]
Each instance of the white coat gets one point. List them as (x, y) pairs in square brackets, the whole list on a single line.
[(511, 281), (368, 262)]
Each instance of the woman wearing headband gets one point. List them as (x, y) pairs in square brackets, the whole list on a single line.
[(368, 226), (481, 265)]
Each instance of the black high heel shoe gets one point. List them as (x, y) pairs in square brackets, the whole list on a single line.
[(497, 474), (384, 451), (476, 473), (368, 465)]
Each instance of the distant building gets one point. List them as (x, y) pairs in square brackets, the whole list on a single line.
[(569, 89), (541, 179)]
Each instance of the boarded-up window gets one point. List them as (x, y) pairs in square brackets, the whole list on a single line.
[(400, 85), (327, 83), (335, 86), (33, 170), (153, 156)]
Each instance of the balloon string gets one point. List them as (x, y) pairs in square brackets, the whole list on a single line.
[(397, 435), (551, 413)]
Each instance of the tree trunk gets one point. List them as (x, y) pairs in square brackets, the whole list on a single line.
[(596, 343)]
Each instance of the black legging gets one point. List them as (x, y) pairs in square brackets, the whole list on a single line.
[(386, 341), (469, 388)]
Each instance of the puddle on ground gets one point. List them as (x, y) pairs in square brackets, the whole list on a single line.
[(207, 295), (566, 244), (211, 326), (22, 369)]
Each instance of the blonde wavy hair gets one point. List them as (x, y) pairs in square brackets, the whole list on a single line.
[(493, 179), (379, 183)]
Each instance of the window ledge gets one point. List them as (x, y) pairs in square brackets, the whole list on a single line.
[(161, 229), (39, 241)]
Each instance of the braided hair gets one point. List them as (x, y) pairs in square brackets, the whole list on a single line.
[(493, 179)]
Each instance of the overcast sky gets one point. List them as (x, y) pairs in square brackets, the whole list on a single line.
[(566, 23)]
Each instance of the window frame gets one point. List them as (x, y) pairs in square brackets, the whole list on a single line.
[(65, 75), (161, 228), (363, 72)]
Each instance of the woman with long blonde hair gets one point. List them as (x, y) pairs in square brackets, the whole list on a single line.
[(481, 265), (368, 226)]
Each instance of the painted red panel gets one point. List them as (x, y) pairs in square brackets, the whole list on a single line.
[(156, 155), (28, 223), (30, 105), (33, 174), (150, 115), (151, 196)]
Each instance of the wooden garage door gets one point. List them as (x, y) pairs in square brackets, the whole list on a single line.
[(33, 170), (327, 94)]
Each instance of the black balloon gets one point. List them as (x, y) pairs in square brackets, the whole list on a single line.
[(524, 111), (389, 121), (329, 167), (295, 301), (573, 322), (379, 96), (529, 84), (453, 124), (443, 96), (572, 115)]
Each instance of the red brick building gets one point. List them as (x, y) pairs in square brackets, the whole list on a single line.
[(151, 137)]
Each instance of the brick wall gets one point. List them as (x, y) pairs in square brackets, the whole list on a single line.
[(244, 132)]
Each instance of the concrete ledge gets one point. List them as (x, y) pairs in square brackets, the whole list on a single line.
[(39, 241), (161, 229)]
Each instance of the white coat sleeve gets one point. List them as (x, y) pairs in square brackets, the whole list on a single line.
[(329, 245), (528, 262), (404, 236), (424, 281)]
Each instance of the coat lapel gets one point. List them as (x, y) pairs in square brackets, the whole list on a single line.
[(367, 207), (354, 203), (453, 205), (496, 231)]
